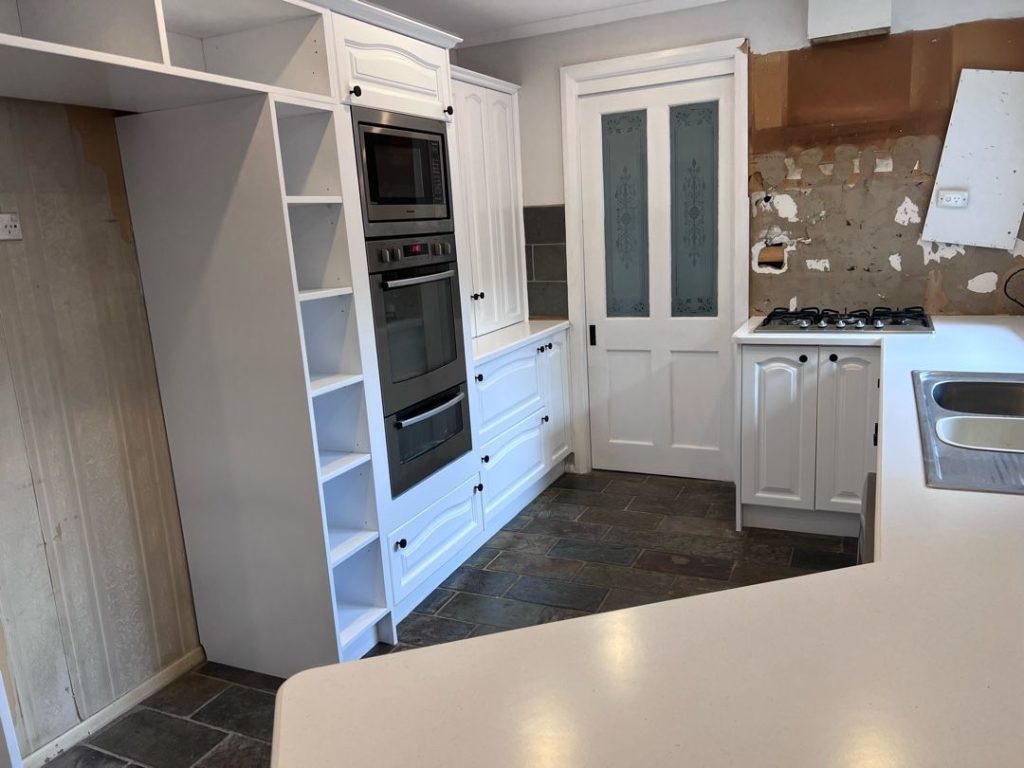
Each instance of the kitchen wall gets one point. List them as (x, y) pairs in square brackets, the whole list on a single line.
[(94, 590), (848, 239)]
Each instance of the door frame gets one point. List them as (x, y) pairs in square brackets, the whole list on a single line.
[(727, 57)]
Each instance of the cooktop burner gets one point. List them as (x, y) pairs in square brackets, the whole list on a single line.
[(877, 320)]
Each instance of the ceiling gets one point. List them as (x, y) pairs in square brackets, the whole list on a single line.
[(488, 21)]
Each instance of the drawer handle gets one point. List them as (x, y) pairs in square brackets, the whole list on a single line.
[(486, 459), (449, 110), (478, 488), (403, 423), (475, 297), (834, 357), (356, 91), (401, 544), (550, 345), (479, 377), (545, 419), (803, 358), (541, 348)]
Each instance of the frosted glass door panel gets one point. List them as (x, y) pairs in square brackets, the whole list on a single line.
[(624, 145)]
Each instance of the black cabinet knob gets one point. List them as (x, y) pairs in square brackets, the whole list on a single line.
[(834, 357), (475, 297), (479, 377), (482, 294), (356, 91), (550, 345), (545, 419), (540, 348), (478, 488), (401, 544), (485, 459), (449, 110), (803, 358)]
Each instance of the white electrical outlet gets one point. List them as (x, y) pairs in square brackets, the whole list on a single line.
[(952, 198), (10, 226)]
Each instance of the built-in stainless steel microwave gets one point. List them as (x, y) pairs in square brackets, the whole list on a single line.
[(403, 174)]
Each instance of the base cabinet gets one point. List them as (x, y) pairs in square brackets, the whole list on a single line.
[(509, 389), (555, 389), (423, 544), (512, 462), (809, 426)]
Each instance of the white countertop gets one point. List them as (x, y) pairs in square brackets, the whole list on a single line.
[(914, 660), (506, 339)]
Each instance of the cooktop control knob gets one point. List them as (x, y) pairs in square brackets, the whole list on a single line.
[(879, 323), (860, 322), (805, 323), (823, 323), (840, 323)]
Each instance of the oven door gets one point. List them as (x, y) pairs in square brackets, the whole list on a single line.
[(418, 326), (427, 437)]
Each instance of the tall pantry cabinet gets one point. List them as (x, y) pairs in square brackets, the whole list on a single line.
[(490, 225)]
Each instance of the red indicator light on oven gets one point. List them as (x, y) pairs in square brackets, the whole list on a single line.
[(415, 249)]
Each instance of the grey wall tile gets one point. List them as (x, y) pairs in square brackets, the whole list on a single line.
[(548, 299), (544, 223), (549, 263)]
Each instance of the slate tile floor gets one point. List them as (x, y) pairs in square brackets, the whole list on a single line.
[(590, 543), (214, 717), (605, 541)]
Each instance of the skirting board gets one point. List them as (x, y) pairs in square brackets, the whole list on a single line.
[(801, 520), (404, 608), (115, 709)]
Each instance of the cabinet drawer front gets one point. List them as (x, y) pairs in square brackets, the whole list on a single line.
[(425, 543), (509, 391), (515, 459), (394, 72)]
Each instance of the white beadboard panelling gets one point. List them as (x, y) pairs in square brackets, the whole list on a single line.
[(81, 363)]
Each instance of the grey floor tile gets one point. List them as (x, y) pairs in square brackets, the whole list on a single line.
[(815, 559), (556, 511), (582, 482), (757, 573), (679, 543), (685, 565), (242, 676), (157, 740), (520, 541), (686, 586), (434, 600), (642, 488), (495, 611), (242, 710), (380, 649), (627, 578), (479, 582), (623, 598), (801, 540), (624, 518), (664, 506), (568, 529), (418, 629), (560, 594), (238, 752), (185, 695), (83, 757), (700, 526), (594, 499), (535, 565), (481, 557), (518, 523), (486, 629), (552, 614), (595, 553), (766, 552)]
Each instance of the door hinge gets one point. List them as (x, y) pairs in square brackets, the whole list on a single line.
[(874, 438), (593, 335)]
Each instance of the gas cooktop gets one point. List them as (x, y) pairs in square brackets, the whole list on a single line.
[(877, 320)]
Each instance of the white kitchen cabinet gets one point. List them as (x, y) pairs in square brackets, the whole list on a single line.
[(779, 416), (490, 225), (509, 389), (423, 544), (847, 425), (513, 461), (555, 394), (387, 70)]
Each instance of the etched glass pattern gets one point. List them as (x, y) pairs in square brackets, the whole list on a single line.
[(624, 150), (693, 136)]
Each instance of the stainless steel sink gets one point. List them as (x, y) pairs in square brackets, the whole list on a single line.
[(972, 430)]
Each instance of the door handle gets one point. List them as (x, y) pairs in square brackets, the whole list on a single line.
[(419, 280), (403, 423), (593, 335)]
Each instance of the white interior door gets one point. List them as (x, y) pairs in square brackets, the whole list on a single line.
[(657, 165)]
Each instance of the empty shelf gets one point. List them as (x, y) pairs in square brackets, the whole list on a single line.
[(345, 542), (334, 463), (323, 293), (355, 619), (321, 384), (313, 199)]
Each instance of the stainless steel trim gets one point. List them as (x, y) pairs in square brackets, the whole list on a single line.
[(418, 280), (403, 423)]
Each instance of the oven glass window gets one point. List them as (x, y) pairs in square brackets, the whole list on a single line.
[(420, 328), (424, 436), (404, 169)]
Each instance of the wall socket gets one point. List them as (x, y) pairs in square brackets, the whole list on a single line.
[(952, 198), (10, 226)]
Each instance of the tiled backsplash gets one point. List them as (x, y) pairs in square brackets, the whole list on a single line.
[(545, 260)]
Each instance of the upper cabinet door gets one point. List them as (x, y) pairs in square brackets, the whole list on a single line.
[(847, 420), (779, 413), (391, 71), (491, 226)]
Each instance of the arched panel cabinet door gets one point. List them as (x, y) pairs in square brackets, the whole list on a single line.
[(779, 413), (847, 423)]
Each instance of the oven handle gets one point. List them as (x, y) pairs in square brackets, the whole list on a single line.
[(403, 423), (419, 280)]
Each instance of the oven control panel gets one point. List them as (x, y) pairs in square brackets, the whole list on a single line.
[(385, 255)]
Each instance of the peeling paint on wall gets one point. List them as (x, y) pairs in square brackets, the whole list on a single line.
[(907, 213), (896, 262), (984, 283)]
